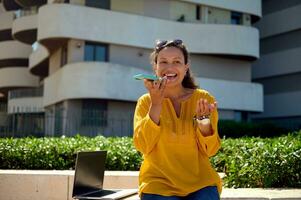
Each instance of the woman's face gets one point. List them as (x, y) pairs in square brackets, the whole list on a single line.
[(171, 63)]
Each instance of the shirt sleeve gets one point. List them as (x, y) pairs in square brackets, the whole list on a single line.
[(146, 131), (209, 144)]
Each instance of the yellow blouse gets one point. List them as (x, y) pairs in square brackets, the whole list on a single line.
[(176, 155)]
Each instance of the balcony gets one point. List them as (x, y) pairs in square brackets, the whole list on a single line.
[(28, 100), (252, 7), (39, 61), (6, 20), (28, 92), (111, 81), (58, 22), (25, 25), (14, 53), (16, 77)]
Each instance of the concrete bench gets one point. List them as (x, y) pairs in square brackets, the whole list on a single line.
[(57, 185)]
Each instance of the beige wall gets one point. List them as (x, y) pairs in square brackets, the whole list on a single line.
[(161, 12), (6, 19), (221, 68), (14, 49), (55, 61), (121, 109), (128, 6), (75, 50), (217, 16), (75, 53), (178, 8), (130, 56)]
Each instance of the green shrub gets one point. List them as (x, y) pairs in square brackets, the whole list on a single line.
[(257, 162), (233, 129), (247, 162), (60, 153)]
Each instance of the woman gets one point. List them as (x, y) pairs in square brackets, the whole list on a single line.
[(175, 128)]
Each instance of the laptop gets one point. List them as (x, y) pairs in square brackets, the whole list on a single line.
[(89, 176)]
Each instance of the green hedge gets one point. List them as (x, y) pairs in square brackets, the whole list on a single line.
[(233, 129), (247, 162), (258, 162)]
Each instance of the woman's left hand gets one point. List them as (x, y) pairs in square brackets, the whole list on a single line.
[(204, 108)]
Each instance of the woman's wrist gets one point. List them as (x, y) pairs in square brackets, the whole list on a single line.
[(154, 112), (204, 125)]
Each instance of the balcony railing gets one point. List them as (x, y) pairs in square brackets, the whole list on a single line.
[(30, 92), (57, 124), (3, 107)]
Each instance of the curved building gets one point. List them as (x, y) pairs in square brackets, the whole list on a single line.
[(16, 111), (279, 68), (87, 52)]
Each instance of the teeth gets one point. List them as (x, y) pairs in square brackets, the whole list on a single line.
[(169, 74)]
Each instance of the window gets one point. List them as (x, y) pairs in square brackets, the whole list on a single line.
[(236, 18), (104, 4), (64, 56), (94, 112), (198, 12), (96, 52)]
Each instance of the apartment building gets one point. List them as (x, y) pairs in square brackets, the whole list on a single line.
[(279, 66), (85, 53)]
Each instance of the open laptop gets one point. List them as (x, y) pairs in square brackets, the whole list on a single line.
[(89, 176)]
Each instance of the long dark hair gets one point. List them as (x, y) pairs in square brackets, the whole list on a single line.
[(188, 81)]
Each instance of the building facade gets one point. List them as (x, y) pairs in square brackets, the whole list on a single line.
[(85, 53), (279, 66)]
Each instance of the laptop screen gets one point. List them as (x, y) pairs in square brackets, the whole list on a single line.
[(89, 172)]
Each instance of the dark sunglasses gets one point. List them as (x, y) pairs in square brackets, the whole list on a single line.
[(160, 44)]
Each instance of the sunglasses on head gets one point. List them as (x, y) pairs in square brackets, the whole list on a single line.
[(160, 44)]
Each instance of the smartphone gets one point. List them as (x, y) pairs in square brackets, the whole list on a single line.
[(146, 76)]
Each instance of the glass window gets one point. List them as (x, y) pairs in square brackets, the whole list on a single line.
[(198, 12), (89, 52), (100, 53), (96, 52), (236, 18), (64, 56), (104, 4)]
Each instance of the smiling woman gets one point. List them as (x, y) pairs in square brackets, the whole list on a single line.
[(175, 128)]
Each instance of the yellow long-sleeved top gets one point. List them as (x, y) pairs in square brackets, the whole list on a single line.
[(176, 154)]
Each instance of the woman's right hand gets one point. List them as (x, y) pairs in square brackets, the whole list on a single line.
[(156, 90)]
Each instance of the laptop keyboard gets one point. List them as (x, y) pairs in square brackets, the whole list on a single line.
[(100, 193)]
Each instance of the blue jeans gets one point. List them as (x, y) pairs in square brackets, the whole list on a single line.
[(207, 193)]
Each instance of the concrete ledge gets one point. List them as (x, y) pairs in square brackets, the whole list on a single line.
[(57, 185)]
